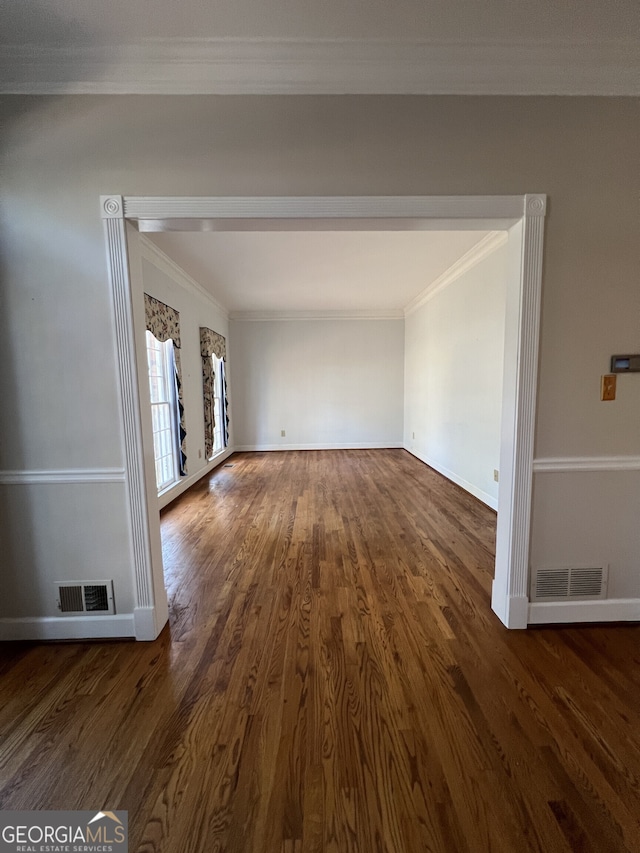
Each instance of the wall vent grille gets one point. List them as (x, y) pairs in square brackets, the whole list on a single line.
[(569, 583), (78, 598)]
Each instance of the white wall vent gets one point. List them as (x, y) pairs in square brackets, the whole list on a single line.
[(569, 583), (80, 598)]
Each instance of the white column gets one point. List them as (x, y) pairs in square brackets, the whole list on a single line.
[(146, 626)]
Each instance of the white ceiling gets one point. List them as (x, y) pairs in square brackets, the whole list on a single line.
[(333, 46), (316, 271)]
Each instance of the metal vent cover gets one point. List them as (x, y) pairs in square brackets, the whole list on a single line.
[(79, 598), (569, 583)]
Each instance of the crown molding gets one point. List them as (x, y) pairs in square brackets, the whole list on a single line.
[(322, 66), (484, 247), (268, 316), (150, 252)]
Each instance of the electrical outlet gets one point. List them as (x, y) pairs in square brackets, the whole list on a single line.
[(608, 387), (282, 433), (413, 435), (496, 475), (199, 453)]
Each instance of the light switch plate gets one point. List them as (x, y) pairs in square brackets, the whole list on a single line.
[(608, 387)]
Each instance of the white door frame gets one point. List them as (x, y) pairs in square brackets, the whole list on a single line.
[(522, 214)]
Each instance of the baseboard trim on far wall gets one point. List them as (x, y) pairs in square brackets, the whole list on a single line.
[(478, 493), (358, 445), (605, 610), (68, 627)]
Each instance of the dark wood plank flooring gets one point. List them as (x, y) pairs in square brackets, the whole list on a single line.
[(333, 679)]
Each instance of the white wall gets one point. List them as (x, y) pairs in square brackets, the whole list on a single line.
[(453, 377), (171, 285), (327, 383), (58, 383)]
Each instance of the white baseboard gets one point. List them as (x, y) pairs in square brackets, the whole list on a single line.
[(186, 482), (511, 610), (148, 622), (340, 445), (483, 496), (605, 610), (67, 627)]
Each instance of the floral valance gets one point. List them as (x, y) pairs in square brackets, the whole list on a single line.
[(211, 343), (162, 320)]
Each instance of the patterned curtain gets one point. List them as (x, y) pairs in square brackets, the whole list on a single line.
[(164, 323), (225, 404), (211, 343)]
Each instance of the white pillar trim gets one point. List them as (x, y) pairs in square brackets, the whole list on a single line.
[(535, 208), (510, 597), (138, 512)]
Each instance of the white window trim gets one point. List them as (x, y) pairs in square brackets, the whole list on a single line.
[(217, 408), (171, 402)]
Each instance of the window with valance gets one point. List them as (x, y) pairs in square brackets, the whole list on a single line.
[(213, 349), (163, 322)]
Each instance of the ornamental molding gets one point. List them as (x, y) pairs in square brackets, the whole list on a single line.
[(322, 66), (112, 206), (535, 205), (508, 208)]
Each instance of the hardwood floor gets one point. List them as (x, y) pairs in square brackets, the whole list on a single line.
[(333, 679)]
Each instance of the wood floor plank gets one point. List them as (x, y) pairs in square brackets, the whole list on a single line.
[(332, 680)]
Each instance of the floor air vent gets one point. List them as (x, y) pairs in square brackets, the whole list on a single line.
[(78, 598), (569, 584)]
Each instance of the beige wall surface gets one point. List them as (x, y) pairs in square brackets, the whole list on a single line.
[(59, 388)]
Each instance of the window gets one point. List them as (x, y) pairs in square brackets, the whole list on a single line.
[(214, 392), (218, 409), (163, 410)]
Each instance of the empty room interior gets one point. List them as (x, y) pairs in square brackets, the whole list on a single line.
[(320, 426)]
